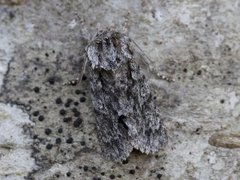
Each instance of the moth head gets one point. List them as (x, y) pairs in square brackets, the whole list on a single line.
[(109, 50)]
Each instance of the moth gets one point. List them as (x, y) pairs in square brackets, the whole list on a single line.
[(127, 117)]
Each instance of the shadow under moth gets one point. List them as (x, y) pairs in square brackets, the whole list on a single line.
[(126, 114)]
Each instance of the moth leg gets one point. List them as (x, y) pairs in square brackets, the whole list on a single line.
[(166, 78), (78, 80)]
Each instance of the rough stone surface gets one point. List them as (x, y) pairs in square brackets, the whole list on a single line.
[(195, 42)]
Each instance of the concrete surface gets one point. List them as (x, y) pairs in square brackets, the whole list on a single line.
[(47, 130)]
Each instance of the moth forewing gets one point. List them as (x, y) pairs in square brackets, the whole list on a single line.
[(126, 112)]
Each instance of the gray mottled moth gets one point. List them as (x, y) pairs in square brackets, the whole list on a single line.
[(126, 114)]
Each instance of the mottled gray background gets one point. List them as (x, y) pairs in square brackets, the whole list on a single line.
[(47, 130)]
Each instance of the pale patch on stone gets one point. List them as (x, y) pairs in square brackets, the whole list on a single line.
[(15, 152), (72, 24), (236, 111)]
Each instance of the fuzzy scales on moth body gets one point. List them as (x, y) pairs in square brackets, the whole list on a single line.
[(126, 112)]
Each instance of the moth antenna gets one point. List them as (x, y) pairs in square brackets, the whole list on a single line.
[(147, 60), (144, 61)]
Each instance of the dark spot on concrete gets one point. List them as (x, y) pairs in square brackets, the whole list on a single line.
[(35, 113), (51, 80), (125, 161), (82, 99), (74, 110), (67, 105), (96, 178), (85, 168), (76, 103), (77, 92), (102, 173), (69, 100), (47, 70), (48, 131), (58, 141), (119, 176), (112, 176), (132, 171), (58, 100), (41, 118), (222, 101), (198, 131), (60, 130), (76, 113), (69, 140), (77, 122), (83, 143), (159, 176), (94, 168), (199, 72), (62, 112), (67, 119), (68, 174), (49, 146), (185, 70), (46, 54)]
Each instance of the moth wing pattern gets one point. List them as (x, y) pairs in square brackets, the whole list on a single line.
[(126, 112)]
